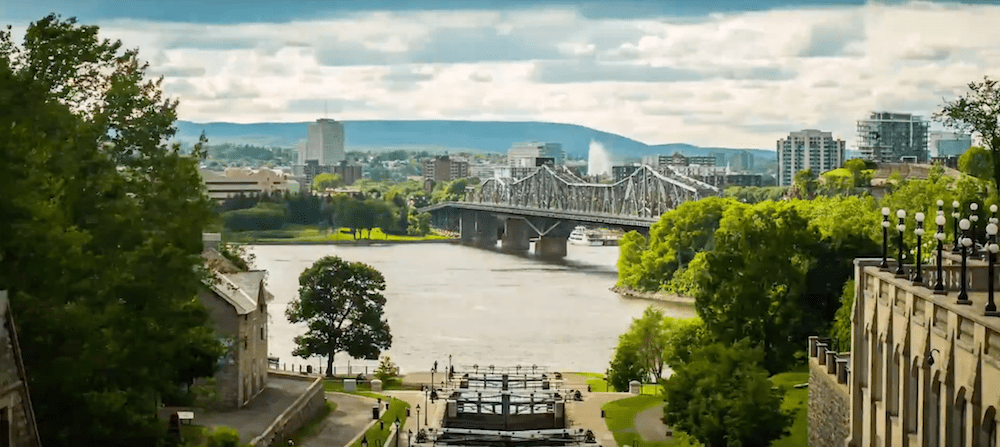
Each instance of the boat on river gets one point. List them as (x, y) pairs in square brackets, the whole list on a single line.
[(582, 236)]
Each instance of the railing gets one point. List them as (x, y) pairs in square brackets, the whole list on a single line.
[(291, 419), (976, 277)]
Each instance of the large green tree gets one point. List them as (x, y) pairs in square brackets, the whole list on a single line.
[(977, 162), (978, 112), (723, 397), (342, 304), (100, 236)]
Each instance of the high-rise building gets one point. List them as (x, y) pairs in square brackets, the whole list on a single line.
[(526, 154), (808, 149), (444, 169), (325, 143), (893, 138), (949, 144)]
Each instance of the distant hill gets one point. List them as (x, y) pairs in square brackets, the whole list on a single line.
[(475, 136)]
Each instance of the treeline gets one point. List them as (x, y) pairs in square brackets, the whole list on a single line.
[(765, 276), (229, 151)]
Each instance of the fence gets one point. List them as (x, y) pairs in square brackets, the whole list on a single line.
[(295, 416), (349, 370)]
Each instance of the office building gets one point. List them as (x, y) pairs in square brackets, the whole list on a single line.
[(445, 169), (948, 144), (887, 137), (619, 173), (710, 160), (245, 181), (325, 143), (527, 154), (808, 149)]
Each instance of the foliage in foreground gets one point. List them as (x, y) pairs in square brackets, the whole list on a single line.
[(342, 304), (722, 398), (100, 237)]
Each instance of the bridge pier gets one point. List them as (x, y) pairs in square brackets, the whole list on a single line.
[(551, 246), (515, 236), (467, 226), (487, 230)]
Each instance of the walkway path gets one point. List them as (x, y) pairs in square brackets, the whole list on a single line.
[(254, 419), (649, 425), (352, 416)]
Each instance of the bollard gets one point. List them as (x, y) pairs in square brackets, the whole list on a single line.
[(375, 412), (602, 414)]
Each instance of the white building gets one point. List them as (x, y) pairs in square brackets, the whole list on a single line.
[(526, 154), (887, 137), (949, 144), (325, 143), (805, 149), (246, 181)]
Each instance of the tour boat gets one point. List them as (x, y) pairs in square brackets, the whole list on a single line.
[(582, 236)]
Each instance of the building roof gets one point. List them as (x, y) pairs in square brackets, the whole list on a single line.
[(240, 289)]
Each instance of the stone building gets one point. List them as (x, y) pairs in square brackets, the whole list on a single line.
[(17, 418), (924, 367), (237, 302)]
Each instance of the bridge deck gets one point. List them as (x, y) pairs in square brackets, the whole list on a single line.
[(574, 216)]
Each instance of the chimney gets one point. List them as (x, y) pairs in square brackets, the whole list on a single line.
[(211, 240)]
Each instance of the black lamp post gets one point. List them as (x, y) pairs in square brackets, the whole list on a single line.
[(974, 217), (965, 242), (901, 227), (364, 441), (397, 424), (992, 248), (409, 438), (884, 266), (940, 221), (418, 417), (919, 278), (955, 214)]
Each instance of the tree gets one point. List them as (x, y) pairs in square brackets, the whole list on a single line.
[(976, 162), (626, 365), (326, 180), (648, 334), (342, 305), (683, 336), (723, 398), (978, 112), (100, 236), (631, 271), (805, 183), (386, 369)]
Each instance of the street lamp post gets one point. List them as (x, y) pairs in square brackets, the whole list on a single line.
[(885, 239), (957, 247), (963, 295), (418, 417), (901, 227), (427, 407), (409, 438), (919, 278), (940, 221), (974, 217), (397, 431), (992, 248)]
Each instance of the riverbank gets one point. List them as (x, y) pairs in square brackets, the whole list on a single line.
[(307, 234), (656, 296), (359, 242)]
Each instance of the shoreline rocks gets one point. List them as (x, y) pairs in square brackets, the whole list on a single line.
[(656, 296)]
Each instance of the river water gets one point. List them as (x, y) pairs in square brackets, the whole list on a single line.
[(479, 306)]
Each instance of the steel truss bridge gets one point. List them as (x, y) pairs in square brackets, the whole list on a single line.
[(647, 192), (636, 201)]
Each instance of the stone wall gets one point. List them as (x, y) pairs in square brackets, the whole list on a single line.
[(829, 408), (306, 407)]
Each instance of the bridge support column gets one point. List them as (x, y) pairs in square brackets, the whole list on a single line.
[(551, 246), (515, 236), (487, 230), (467, 226)]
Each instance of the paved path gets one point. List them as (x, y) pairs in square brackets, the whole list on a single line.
[(254, 419), (352, 416), (649, 425)]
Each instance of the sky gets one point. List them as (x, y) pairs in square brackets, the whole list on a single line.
[(731, 73)]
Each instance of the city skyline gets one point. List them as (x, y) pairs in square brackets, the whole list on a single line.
[(733, 74)]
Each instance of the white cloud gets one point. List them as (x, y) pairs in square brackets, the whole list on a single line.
[(738, 79)]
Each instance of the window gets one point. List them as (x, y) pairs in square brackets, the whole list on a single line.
[(261, 333), (245, 343), (5, 432)]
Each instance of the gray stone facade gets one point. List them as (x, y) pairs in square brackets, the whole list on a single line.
[(17, 419), (829, 408)]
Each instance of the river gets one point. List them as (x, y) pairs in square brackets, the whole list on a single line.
[(479, 306)]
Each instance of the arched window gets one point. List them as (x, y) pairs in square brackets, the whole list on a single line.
[(957, 437), (932, 415), (912, 398), (988, 431)]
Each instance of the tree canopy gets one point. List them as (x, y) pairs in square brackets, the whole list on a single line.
[(326, 180), (100, 236), (978, 112), (977, 162), (723, 398), (342, 305)]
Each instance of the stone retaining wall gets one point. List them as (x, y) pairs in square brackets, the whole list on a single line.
[(306, 407), (829, 408)]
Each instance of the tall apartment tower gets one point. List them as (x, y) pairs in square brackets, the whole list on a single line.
[(888, 137), (325, 143), (805, 149)]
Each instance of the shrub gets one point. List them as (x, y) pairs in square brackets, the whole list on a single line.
[(224, 437)]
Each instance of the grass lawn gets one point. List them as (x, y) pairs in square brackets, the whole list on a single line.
[(397, 410), (620, 417), (337, 385), (598, 385), (308, 233), (795, 399)]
